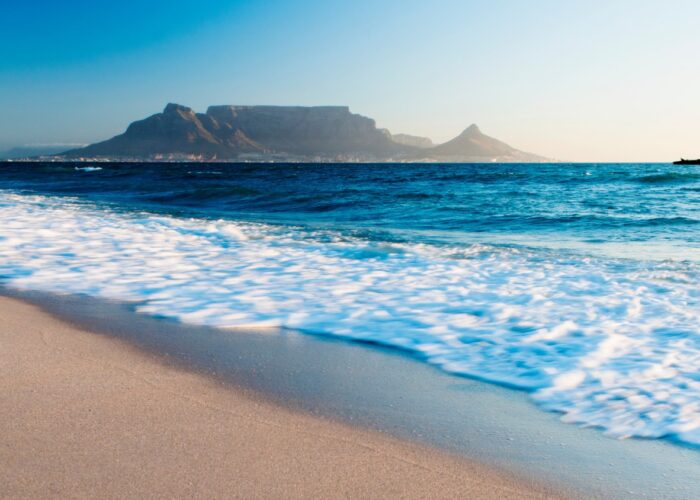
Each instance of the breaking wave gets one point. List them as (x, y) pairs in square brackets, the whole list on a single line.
[(608, 342)]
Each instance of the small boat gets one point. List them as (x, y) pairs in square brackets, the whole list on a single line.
[(683, 161)]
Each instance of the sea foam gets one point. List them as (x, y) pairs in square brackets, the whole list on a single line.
[(611, 343)]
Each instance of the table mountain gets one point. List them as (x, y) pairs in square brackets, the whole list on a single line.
[(230, 131), (279, 133)]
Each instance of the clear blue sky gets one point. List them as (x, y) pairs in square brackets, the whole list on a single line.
[(576, 80)]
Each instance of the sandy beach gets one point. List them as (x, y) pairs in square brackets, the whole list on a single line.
[(84, 415)]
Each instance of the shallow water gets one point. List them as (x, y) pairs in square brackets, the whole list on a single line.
[(576, 283)]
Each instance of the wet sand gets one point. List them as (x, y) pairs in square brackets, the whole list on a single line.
[(86, 415)]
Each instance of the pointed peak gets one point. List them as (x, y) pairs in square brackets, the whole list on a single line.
[(472, 129)]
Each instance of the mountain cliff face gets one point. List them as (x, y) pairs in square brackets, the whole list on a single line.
[(306, 130), (229, 131), (288, 133)]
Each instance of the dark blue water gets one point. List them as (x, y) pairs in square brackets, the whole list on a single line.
[(650, 210)]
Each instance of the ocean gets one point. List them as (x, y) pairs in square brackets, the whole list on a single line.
[(574, 282)]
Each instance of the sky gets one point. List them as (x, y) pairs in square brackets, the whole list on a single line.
[(593, 80)]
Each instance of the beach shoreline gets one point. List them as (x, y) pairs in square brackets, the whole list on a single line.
[(88, 415), (383, 391)]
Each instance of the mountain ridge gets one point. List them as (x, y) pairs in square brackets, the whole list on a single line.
[(286, 133)]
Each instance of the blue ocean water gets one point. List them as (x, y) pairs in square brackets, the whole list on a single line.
[(576, 282)]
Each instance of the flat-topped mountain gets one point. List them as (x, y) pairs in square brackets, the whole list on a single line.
[(231, 131), (286, 133), (324, 130)]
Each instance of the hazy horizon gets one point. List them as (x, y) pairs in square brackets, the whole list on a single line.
[(575, 82)]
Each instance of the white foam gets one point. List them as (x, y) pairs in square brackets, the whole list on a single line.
[(610, 343)]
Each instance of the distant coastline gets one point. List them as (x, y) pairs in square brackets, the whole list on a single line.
[(247, 161), (283, 134)]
